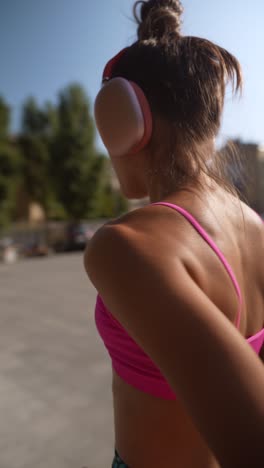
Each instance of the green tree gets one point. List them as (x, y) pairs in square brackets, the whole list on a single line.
[(9, 163), (39, 127), (74, 161), (34, 168), (4, 119), (41, 122), (107, 203), (8, 167), (34, 119)]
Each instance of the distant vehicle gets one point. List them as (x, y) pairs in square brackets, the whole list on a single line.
[(76, 237), (35, 245), (35, 249)]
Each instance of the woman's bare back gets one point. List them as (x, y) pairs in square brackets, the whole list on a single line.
[(152, 432)]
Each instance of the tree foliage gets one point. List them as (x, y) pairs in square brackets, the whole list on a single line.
[(9, 163), (34, 168), (34, 119), (74, 157), (4, 119), (107, 202), (53, 160)]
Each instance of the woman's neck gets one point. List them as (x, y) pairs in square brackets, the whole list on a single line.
[(170, 190)]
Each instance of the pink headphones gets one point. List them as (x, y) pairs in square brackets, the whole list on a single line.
[(122, 113)]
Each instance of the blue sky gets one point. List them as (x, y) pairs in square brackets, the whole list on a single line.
[(45, 45)]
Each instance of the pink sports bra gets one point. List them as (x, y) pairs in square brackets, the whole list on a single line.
[(129, 361)]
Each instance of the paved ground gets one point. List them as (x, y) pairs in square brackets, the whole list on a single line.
[(55, 378)]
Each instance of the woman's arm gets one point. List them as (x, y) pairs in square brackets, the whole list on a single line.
[(207, 362)]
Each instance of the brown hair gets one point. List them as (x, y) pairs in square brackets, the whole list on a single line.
[(184, 79)]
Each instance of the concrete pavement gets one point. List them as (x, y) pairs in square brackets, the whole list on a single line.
[(55, 376)]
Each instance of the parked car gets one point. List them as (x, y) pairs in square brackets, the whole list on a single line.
[(35, 245), (76, 236)]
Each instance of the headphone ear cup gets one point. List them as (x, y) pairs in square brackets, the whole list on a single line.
[(147, 116), (123, 117)]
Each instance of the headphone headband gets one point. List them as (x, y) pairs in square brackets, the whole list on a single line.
[(108, 70), (122, 113)]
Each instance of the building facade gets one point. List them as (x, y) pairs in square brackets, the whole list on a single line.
[(247, 172)]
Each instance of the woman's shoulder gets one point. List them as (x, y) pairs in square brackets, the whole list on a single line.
[(143, 229), (252, 226), (252, 234), (135, 242)]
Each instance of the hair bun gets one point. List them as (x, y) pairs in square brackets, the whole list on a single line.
[(158, 18)]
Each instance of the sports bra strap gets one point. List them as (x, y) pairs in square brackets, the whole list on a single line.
[(214, 247)]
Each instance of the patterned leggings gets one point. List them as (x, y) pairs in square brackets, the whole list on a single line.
[(118, 463)]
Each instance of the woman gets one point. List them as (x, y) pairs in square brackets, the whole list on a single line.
[(181, 280)]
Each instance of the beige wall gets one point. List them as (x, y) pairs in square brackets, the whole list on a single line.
[(252, 159), (36, 213)]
